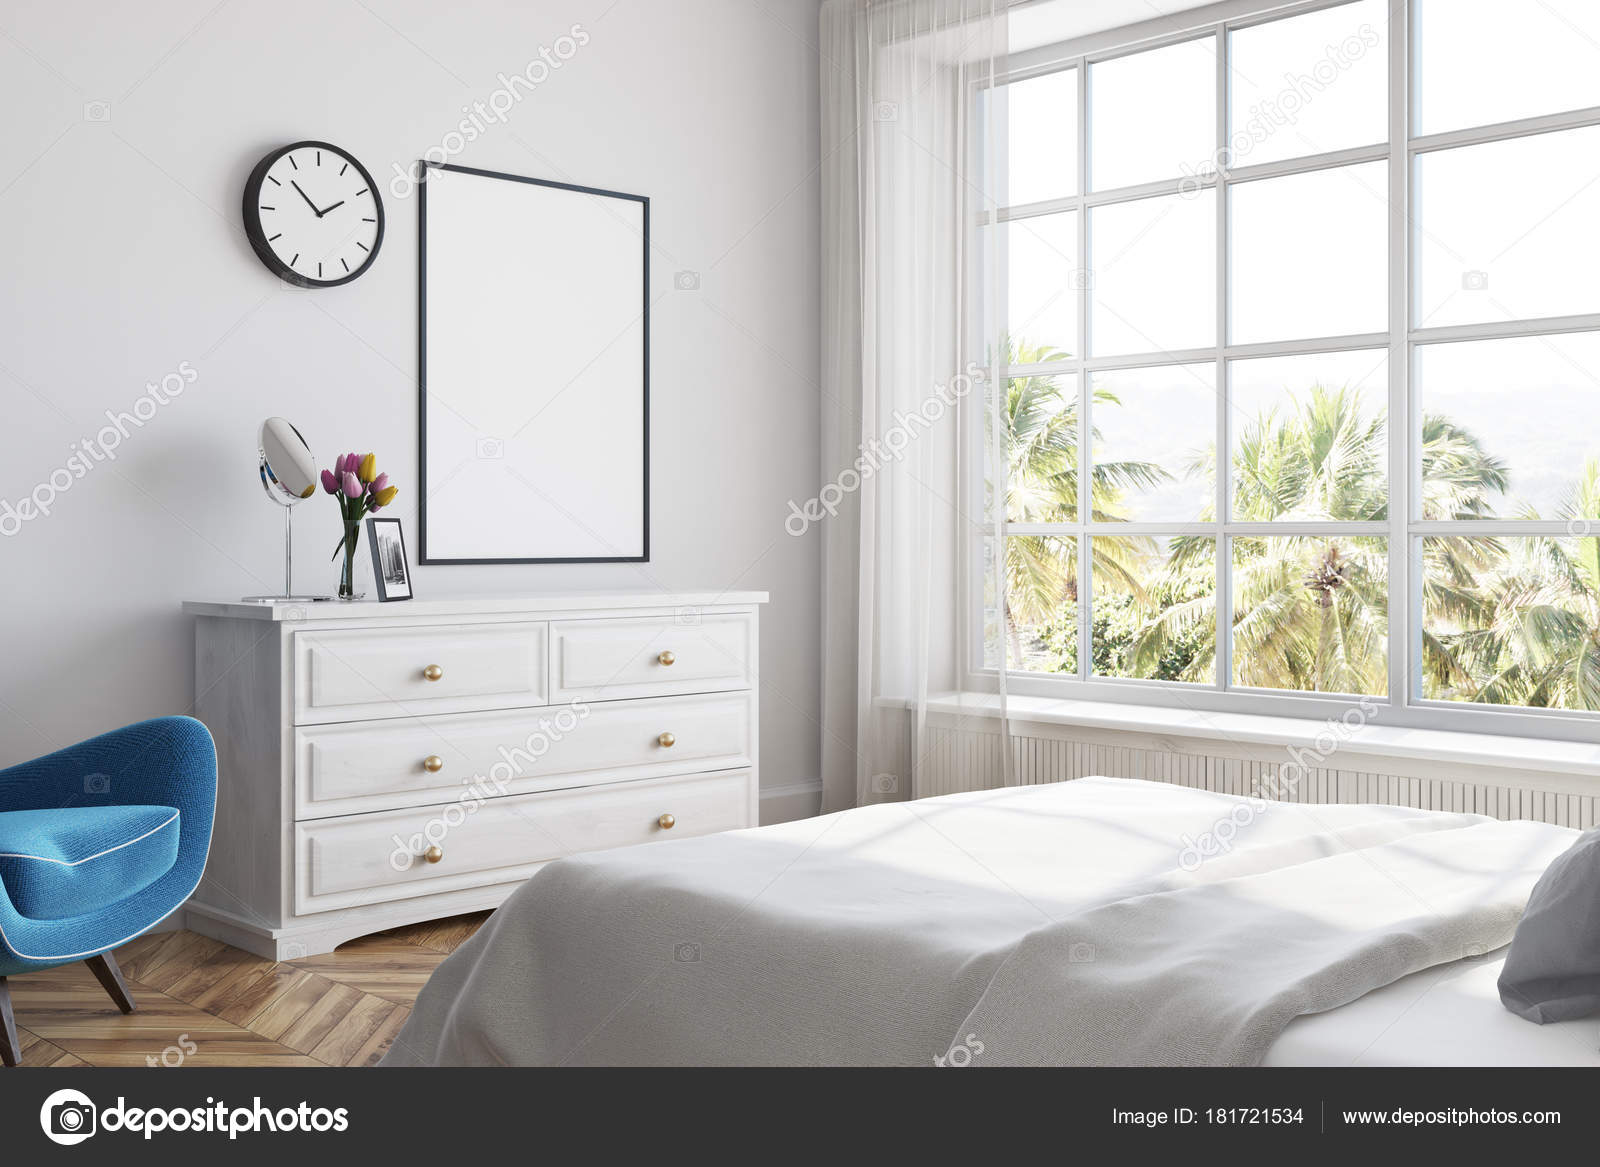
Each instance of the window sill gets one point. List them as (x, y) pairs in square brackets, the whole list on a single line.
[(1495, 751)]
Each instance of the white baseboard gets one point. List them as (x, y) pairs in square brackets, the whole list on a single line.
[(798, 800), (176, 922)]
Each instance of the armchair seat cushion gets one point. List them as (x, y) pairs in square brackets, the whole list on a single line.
[(60, 863)]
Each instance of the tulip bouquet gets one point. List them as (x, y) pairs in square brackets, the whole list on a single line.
[(361, 490)]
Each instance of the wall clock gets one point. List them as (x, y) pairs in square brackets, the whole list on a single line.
[(313, 215)]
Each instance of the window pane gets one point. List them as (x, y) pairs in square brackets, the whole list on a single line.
[(1154, 453), (1310, 437), (1155, 607), (1043, 279), (1153, 115), (1309, 84), (1041, 118), (1480, 62), (1512, 621), (1154, 274), (993, 631), (1311, 613), (1040, 415), (1510, 428), (1310, 254), (1506, 230), (1041, 635)]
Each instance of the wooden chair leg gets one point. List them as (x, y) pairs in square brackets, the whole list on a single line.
[(10, 1047), (109, 975)]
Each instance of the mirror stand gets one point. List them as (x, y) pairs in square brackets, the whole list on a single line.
[(288, 596)]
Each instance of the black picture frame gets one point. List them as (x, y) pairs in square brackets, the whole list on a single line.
[(423, 167), (373, 523)]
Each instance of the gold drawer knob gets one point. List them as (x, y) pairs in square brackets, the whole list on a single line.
[(666, 658), (667, 741), (433, 763), (667, 822), (433, 672), (433, 854)]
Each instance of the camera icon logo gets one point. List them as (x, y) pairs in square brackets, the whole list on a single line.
[(68, 1117), (686, 954), (688, 617), (885, 784), (490, 449), (97, 784), (1082, 953), (885, 111), (1475, 281), (97, 111), (687, 281)]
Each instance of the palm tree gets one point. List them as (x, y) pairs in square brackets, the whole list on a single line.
[(1460, 480), (1527, 631), (1310, 612), (1321, 459), (1512, 621), (1040, 424)]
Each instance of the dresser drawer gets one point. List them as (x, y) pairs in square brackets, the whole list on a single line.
[(377, 858), (609, 659), (397, 672), (366, 766)]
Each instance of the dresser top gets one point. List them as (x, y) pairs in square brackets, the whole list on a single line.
[(299, 612)]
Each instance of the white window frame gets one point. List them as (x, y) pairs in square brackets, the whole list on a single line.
[(1403, 705)]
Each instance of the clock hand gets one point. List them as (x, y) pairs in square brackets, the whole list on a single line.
[(303, 195), (325, 210)]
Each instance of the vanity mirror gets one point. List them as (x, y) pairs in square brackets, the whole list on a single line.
[(289, 476)]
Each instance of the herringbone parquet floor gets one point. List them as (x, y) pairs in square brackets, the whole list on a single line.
[(204, 1003)]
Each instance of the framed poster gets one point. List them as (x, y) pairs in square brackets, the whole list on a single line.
[(534, 335)]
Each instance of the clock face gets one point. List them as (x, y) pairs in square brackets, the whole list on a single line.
[(313, 214)]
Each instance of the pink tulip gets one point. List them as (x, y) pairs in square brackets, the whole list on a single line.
[(352, 485), (378, 483), (329, 482)]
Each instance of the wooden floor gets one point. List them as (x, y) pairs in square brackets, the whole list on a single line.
[(203, 1003)]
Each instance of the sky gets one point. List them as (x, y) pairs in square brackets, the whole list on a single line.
[(1502, 231)]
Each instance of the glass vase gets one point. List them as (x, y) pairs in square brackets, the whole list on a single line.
[(347, 574)]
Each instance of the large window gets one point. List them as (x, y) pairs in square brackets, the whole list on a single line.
[(1299, 334)]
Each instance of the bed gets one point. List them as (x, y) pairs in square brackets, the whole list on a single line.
[(1448, 1015), (1094, 922)]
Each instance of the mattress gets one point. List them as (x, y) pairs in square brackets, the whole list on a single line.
[(1449, 1015)]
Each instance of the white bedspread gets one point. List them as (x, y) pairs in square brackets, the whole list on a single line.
[(870, 937)]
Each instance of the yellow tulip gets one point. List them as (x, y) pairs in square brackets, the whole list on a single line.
[(368, 470), (386, 495)]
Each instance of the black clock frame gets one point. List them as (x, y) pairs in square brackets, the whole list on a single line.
[(258, 237)]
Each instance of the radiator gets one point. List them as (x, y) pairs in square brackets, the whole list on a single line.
[(957, 758)]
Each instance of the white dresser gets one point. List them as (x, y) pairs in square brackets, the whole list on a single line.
[(380, 764)]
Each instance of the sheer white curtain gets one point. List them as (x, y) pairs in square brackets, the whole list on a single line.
[(908, 172)]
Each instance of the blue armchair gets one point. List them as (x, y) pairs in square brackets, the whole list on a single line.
[(100, 842)]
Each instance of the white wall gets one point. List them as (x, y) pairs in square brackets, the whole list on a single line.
[(122, 259)]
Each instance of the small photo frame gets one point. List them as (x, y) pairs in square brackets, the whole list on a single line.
[(389, 569)]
